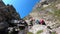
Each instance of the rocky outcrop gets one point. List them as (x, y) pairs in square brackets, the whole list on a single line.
[(58, 6)]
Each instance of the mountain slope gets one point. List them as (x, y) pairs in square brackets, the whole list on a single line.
[(49, 11)]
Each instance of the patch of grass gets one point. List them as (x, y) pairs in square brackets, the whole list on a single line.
[(53, 33), (29, 33), (40, 31)]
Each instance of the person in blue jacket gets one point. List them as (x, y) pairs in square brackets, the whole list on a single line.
[(37, 21)]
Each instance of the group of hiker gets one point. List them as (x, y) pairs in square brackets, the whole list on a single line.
[(41, 21), (33, 21)]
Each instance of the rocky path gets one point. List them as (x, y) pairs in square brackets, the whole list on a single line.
[(36, 28)]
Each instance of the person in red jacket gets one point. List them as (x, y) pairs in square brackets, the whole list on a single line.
[(42, 22)]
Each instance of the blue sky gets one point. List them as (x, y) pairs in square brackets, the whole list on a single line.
[(23, 7)]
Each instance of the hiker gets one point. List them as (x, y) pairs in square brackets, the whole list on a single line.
[(31, 22), (37, 21), (42, 22)]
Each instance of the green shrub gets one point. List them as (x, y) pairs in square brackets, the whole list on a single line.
[(40, 31), (53, 33), (29, 33)]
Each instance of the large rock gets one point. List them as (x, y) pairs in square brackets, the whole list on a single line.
[(58, 6)]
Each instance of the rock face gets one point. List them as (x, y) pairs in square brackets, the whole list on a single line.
[(8, 13)]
